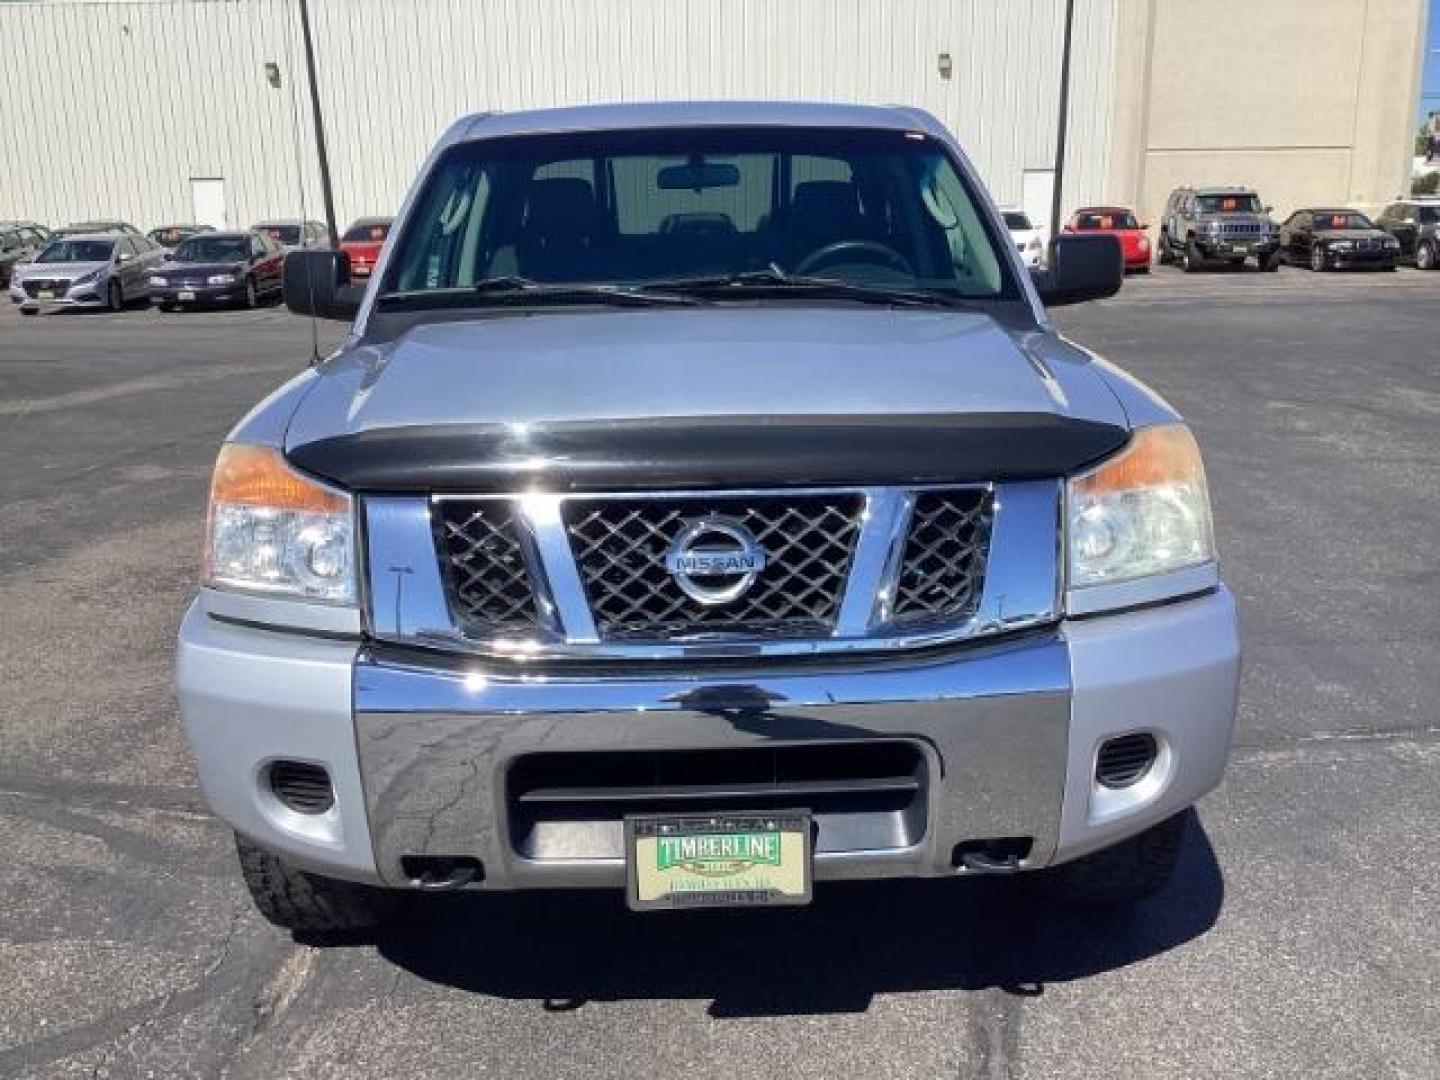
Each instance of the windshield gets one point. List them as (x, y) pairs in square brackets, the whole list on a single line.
[(1343, 219), (635, 208), (81, 251), (1427, 214), (1228, 204), (361, 232), (212, 249), (1014, 219), (1105, 219), (285, 234)]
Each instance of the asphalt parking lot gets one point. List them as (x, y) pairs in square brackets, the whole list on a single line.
[(1299, 940)]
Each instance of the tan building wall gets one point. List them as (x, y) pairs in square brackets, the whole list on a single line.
[(1308, 101)]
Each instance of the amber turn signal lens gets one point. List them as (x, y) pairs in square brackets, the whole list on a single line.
[(258, 476), (1157, 455)]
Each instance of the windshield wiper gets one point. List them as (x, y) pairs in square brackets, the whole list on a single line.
[(776, 281), (515, 289)]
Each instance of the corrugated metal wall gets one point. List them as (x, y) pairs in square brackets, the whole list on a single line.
[(118, 105)]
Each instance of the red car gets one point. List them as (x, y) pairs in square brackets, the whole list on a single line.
[(363, 241), (1120, 222)]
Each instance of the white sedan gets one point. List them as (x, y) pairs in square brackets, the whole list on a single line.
[(1029, 241)]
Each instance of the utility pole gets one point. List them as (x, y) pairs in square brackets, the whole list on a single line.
[(1064, 119), (325, 189)]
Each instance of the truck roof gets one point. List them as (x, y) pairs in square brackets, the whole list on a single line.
[(664, 114)]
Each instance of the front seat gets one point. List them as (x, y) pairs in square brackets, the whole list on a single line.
[(821, 212), (561, 227)]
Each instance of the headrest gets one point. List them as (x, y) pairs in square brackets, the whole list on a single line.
[(561, 207), (825, 200)]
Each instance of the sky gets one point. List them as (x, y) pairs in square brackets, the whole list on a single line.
[(1430, 86)]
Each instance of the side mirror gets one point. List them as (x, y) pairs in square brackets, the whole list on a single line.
[(123, 257), (1079, 267), (317, 282), (1268, 209)]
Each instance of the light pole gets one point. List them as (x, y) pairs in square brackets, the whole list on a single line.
[(325, 189), (1064, 119)]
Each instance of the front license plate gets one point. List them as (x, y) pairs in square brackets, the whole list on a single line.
[(44, 294), (719, 860), (184, 294)]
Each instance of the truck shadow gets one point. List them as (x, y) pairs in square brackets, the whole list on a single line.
[(857, 940)]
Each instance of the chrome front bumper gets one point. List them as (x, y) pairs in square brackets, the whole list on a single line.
[(419, 748)]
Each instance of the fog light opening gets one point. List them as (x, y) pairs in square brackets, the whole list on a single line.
[(301, 786), (1125, 760)]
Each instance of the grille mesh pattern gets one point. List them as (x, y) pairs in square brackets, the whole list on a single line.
[(620, 547), (489, 584), (945, 552)]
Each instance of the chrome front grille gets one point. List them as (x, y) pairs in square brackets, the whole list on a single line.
[(485, 569), (620, 544), (943, 566), (625, 575)]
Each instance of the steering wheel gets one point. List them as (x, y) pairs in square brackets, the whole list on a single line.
[(866, 250)]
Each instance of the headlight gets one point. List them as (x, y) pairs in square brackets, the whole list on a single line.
[(1342, 245), (86, 279), (1144, 512), (221, 279), (159, 282), (272, 530), (1392, 244)]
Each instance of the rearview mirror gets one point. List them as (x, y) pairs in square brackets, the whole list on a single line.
[(697, 177), (317, 282), (1079, 267)]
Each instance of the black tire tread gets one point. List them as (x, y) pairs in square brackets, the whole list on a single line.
[(1125, 873), (296, 900)]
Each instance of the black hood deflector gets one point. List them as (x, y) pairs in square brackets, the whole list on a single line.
[(731, 452)]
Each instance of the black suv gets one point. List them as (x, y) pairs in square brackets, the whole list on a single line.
[(1415, 223)]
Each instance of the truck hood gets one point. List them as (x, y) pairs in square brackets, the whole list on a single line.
[(585, 400)]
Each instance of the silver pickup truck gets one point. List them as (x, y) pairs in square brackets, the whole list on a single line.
[(702, 506)]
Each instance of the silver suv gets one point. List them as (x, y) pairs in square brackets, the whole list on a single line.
[(703, 507), (1226, 224)]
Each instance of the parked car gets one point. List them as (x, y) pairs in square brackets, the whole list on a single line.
[(87, 228), (363, 241), (1336, 239), (219, 268), (719, 536), (1228, 224), (19, 243), (169, 237), (1415, 225), (1029, 240), (1120, 222), (295, 235), (89, 270), (36, 231)]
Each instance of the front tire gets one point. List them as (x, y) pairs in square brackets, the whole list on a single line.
[(1318, 262), (252, 298), (1126, 873), (1194, 261), (115, 296), (295, 900), (1270, 264), (1425, 256)]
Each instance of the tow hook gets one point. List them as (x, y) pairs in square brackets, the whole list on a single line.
[(442, 874)]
